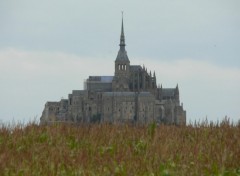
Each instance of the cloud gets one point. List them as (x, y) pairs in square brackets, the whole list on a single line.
[(30, 78), (206, 89), (33, 63), (192, 69)]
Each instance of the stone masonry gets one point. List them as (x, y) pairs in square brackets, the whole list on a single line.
[(130, 96)]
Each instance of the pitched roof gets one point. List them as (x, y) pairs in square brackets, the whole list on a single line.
[(122, 55), (135, 67), (168, 92), (129, 94)]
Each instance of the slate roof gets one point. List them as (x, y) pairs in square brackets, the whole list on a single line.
[(135, 67), (105, 79), (168, 92), (129, 94), (122, 55), (78, 92)]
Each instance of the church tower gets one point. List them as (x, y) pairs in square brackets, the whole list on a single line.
[(122, 66), (122, 62)]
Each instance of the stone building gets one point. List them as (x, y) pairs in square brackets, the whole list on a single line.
[(130, 96)]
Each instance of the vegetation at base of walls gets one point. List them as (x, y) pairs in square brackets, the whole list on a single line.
[(104, 149)]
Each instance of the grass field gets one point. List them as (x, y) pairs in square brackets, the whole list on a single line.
[(104, 149)]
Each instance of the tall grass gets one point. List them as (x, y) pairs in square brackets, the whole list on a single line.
[(64, 149)]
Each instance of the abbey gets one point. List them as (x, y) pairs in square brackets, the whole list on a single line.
[(130, 96)]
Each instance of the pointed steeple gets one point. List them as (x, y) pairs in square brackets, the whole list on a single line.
[(122, 37), (122, 53)]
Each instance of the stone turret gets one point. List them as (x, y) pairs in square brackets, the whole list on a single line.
[(176, 93)]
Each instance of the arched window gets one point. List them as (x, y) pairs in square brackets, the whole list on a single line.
[(122, 67), (119, 67), (125, 67)]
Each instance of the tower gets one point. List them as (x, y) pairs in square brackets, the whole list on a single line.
[(122, 66), (122, 62)]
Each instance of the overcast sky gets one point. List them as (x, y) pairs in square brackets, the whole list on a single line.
[(47, 49)]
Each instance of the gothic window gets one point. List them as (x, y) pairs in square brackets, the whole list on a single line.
[(119, 67), (122, 67), (125, 67)]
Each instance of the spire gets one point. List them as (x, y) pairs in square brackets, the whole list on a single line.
[(177, 93), (122, 37), (177, 90), (122, 53)]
